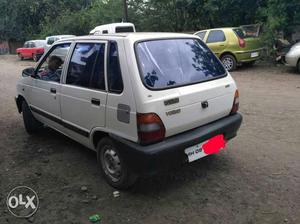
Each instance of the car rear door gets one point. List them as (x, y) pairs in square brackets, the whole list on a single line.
[(83, 99), (216, 41)]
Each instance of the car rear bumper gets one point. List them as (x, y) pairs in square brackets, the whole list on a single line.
[(245, 56), (169, 153)]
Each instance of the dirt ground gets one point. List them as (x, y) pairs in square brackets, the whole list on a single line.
[(256, 180)]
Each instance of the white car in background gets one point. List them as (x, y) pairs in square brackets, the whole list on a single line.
[(113, 28), (51, 39), (145, 102), (292, 58)]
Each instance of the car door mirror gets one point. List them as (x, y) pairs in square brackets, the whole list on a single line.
[(28, 72)]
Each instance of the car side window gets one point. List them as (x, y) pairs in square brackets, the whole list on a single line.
[(51, 67), (114, 76), (26, 45), (201, 34), (216, 36), (86, 68)]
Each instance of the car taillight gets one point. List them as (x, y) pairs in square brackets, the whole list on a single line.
[(150, 128), (242, 42), (236, 101)]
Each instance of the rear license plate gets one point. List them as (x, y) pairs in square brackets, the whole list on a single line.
[(254, 54), (211, 146)]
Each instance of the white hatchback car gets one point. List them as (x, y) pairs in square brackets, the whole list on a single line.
[(145, 102)]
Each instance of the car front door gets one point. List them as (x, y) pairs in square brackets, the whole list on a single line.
[(26, 50), (45, 92), (216, 41), (84, 91)]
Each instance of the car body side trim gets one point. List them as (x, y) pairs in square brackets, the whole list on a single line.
[(61, 122)]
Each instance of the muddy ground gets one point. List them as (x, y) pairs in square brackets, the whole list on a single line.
[(255, 180)]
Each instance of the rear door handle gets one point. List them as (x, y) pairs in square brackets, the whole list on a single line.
[(95, 101), (52, 90)]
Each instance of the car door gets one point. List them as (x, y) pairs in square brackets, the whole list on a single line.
[(26, 50), (83, 99), (216, 41), (45, 93)]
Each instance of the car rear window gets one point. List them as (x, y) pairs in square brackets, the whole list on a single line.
[(241, 33), (175, 62), (124, 29)]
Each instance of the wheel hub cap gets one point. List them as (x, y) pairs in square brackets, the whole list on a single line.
[(228, 63), (111, 164)]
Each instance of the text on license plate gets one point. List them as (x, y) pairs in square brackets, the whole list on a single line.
[(254, 54), (211, 146)]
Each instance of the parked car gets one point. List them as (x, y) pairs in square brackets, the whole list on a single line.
[(292, 58), (232, 45), (32, 49), (145, 102), (113, 28), (51, 39)]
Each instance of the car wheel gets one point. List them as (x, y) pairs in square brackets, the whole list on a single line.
[(298, 66), (112, 165), (229, 62), (21, 57), (32, 125), (35, 57)]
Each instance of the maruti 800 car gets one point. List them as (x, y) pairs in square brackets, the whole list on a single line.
[(145, 102)]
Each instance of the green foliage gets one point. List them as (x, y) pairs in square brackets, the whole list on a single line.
[(26, 19)]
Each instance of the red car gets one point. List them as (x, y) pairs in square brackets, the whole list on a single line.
[(32, 49)]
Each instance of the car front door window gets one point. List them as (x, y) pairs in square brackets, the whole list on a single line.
[(216, 36), (52, 66)]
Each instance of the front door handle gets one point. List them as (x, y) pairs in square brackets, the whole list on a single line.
[(95, 101), (52, 90)]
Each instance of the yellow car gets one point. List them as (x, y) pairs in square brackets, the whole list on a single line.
[(232, 45)]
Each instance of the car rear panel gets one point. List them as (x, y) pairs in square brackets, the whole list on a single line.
[(181, 109)]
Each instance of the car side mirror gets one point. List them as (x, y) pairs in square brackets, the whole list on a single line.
[(28, 72)]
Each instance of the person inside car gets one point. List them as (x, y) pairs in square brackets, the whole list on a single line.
[(50, 73)]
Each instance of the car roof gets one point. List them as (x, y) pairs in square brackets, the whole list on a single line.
[(220, 28), (135, 36), (61, 36), (36, 41)]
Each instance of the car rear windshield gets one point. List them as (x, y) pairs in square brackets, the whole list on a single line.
[(124, 29), (241, 33), (176, 62)]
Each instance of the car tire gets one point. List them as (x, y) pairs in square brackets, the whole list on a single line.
[(35, 57), (21, 57), (112, 165), (32, 125), (229, 62), (298, 66)]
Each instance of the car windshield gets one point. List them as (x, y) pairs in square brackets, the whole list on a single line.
[(176, 62)]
